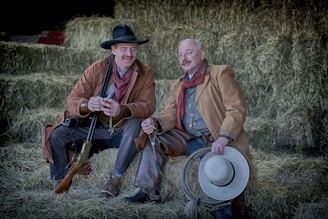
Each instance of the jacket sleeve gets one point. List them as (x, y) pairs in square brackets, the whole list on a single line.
[(167, 118), (234, 104), (87, 86)]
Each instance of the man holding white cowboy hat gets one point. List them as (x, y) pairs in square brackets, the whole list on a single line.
[(206, 102)]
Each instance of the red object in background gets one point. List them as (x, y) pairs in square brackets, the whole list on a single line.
[(51, 37), (46, 37)]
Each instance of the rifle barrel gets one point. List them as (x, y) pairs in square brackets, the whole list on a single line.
[(65, 184)]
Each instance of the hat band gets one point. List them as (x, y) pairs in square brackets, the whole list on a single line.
[(232, 177), (126, 37)]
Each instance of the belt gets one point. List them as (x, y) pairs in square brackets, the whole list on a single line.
[(208, 138)]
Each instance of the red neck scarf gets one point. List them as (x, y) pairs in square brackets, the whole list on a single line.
[(198, 78), (121, 84)]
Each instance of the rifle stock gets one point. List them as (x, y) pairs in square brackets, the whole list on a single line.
[(65, 184)]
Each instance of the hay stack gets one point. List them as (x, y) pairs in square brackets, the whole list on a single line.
[(277, 49), (26, 58)]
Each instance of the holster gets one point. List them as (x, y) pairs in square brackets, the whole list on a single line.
[(153, 158), (149, 173)]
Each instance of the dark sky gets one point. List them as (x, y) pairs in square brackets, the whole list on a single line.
[(31, 17)]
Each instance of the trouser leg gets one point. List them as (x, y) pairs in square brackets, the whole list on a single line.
[(126, 153), (127, 148), (224, 213), (59, 139), (239, 207), (195, 144), (62, 138)]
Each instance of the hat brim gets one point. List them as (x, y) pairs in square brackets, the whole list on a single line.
[(237, 185), (107, 44)]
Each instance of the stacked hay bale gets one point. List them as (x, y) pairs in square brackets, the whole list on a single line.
[(281, 62), (279, 52)]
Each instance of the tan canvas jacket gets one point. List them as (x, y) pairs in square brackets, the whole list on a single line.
[(221, 103)]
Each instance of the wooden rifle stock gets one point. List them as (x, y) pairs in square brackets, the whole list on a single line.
[(65, 184)]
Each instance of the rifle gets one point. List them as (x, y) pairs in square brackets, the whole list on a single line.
[(65, 184)]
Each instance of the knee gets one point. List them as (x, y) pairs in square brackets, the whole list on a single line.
[(56, 136), (53, 137), (133, 124)]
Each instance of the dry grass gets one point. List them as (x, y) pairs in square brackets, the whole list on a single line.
[(27, 58), (286, 185)]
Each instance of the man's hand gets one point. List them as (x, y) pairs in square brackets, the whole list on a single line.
[(219, 144), (110, 107), (95, 104), (148, 125)]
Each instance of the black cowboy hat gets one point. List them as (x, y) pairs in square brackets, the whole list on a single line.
[(122, 34)]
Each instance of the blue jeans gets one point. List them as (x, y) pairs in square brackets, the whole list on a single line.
[(62, 137), (195, 144)]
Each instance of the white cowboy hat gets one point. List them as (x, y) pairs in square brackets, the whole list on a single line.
[(223, 177)]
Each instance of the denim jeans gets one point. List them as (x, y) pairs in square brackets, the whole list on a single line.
[(63, 137), (195, 144)]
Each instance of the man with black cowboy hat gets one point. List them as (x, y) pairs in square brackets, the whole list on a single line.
[(207, 103), (129, 98)]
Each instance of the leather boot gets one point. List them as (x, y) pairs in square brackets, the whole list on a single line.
[(143, 197), (223, 213), (149, 170), (153, 196), (239, 207), (111, 188)]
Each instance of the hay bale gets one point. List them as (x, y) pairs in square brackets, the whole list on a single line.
[(283, 179), (26, 58), (310, 210), (87, 33), (270, 83), (28, 125), (31, 91), (27, 189), (261, 132), (282, 187), (162, 89)]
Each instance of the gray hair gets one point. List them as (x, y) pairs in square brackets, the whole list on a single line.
[(195, 41)]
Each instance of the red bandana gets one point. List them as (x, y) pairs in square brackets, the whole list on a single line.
[(121, 84), (198, 78)]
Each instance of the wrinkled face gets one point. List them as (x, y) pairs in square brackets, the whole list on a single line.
[(125, 55), (190, 56)]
